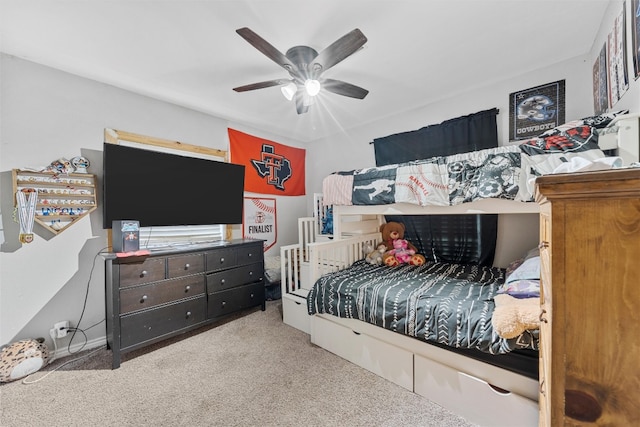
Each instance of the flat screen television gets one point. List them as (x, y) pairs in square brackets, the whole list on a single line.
[(163, 189)]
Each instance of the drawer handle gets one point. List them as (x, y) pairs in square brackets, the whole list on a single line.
[(542, 387), (543, 245), (186, 266), (222, 282), (224, 303), (221, 260), (541, 318), (251, 273), (251, 296), (144, 273), (143, 299), (188, 314), (357, 333), (187, 288), (250, 255)]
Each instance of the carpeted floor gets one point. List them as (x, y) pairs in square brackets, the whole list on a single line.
[(250, 370)]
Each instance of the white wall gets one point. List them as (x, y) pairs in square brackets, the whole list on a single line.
[(47, 114)]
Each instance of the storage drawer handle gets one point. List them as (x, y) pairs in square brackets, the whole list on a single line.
[(251, 296), (250, 255), (144, 273), (186, 266), (187, 288), (357, 333), (221, 260), (188, 314), (543, 245), (542, 313), (251, 273), (542, 387), (224, 303), (143, 299), (222, 282)]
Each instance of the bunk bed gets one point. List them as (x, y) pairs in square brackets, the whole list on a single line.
[(481, 389)]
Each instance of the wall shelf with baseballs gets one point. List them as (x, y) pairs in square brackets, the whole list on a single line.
[(62, 199)]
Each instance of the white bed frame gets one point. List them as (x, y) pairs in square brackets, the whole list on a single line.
[(480, 392)]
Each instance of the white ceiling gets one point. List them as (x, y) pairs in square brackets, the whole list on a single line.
[(188, 53)]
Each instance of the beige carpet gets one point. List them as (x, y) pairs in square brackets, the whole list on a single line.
[(251, 370)]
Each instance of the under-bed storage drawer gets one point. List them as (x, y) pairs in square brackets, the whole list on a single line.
[(472, 398), (390, 362), (295, 313)]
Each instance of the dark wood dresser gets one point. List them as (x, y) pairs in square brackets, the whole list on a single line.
[(590, 298), (172, 291)]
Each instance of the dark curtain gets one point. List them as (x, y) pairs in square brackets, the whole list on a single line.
[(467, 239)]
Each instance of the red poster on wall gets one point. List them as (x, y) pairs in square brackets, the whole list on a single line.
[(270, 168)]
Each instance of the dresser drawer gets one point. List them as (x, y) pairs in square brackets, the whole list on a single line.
[(234, 277), (146, 325), (221, 258), (226, 302), (147, 296), (183, 265), (250, 254), (151, 270)]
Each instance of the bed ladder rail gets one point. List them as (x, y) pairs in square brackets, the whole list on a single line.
[(290, 268), (294, 259), (327, 257)]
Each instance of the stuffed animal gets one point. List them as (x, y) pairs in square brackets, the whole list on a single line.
[(392, 231), (374, 256), (512, 316), (401, 251)]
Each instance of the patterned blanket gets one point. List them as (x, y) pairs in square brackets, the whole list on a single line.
[(450, 304), (506, 172)]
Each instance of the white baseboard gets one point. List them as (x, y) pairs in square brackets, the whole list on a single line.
[(64, 351)]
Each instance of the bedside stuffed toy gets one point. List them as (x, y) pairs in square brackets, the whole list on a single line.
[(391, 232), (401, 251), (374, 256)]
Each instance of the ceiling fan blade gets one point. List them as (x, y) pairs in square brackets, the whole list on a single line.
[(343, 88), (267, 49), (337, 51), (261, 85)]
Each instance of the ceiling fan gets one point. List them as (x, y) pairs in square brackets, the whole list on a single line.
[(305, 66)]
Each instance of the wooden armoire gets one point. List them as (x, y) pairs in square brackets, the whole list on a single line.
[(590, 297)]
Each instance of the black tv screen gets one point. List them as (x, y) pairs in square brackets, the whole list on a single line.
[(161, 189)]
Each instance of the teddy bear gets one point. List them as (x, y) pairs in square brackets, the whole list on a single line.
[(392, 231), (374, 256)]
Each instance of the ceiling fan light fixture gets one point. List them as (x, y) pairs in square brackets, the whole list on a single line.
[(289, 90), (312, 87)]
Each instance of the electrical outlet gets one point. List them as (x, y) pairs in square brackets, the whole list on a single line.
[(61, 328)]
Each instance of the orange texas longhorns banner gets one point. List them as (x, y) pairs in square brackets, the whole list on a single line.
[(269, 167)]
